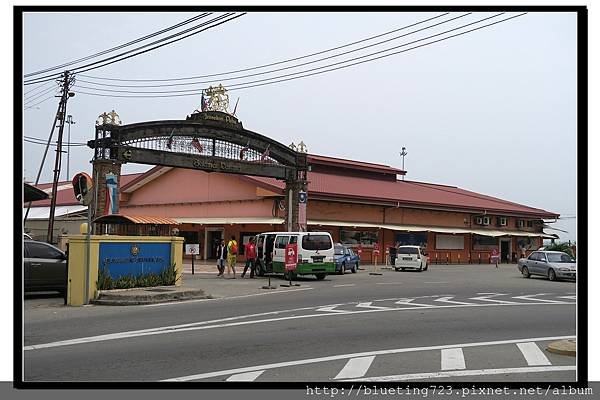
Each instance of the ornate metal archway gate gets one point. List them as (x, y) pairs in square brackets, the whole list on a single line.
[(210, 141)]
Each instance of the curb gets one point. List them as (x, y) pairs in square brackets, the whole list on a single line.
[(564, 347), (114, 299)]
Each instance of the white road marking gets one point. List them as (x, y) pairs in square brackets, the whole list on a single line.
[(245, 377), (435, 282), (453, 359), (351, 284), (389, 283), (532, 353), (355, 368), (474, 372), (174, 303), (487, 298), (355, 355), (203, 325), (409, 302), (529, 297), (568, 297), (446, 299), (331, 309), (368, 305)]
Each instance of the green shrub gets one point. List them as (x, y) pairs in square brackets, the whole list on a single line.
[(166, 277), (564, 247)]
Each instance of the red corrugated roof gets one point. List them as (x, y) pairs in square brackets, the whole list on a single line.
[(65, 196), (405, 192), (361, 165)]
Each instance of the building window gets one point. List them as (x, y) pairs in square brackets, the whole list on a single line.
[(412, 239), (530, 224), (365, 238), (502, 221), (449, 242), (481, 242)]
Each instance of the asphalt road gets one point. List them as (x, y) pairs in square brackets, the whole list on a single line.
[(462, 323)]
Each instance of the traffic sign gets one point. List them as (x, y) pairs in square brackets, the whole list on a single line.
[(192, 249), (291, 256)]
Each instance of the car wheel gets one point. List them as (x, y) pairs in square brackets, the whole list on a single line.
[(420, 267), (551, 274), (525, 272), (402, 269), (343, 269), (426, 266), (320, 277), (354, 268), (397, 269)]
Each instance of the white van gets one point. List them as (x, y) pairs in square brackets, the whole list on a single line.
[(315, 253)]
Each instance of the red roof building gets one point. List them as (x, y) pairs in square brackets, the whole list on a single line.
[(359, 203)]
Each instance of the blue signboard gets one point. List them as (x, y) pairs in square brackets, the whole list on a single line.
[(131, 258)]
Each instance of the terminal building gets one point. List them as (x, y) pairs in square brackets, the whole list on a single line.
[(363, 205)]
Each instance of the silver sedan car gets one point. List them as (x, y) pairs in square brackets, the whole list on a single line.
[(552, 264)]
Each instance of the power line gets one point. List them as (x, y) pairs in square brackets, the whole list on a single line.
[(38, 95), (219, 20), (270, 64), (120, 46), (251, 84), (54, 145), (40, 102), (36, 88), (283, 68)]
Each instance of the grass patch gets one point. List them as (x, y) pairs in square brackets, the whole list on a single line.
[(167, 277)]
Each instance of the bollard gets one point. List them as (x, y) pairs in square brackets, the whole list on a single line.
[(436, 258), (446, 258), (479, 258), (459, 258)]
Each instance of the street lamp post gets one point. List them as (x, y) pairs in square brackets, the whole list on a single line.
[(403, 153), (69, 121)]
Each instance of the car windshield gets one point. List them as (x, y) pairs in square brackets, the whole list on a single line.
[(559, 258), (407, 250), (339, 250)]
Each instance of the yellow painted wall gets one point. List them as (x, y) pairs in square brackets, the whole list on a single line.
[(77, 261)]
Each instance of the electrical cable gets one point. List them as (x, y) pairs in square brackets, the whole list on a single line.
[(270, 64), (120, 46), (278, 69), (127, 54), (38, 95), (247, 85), (36, 88), (40, 102)]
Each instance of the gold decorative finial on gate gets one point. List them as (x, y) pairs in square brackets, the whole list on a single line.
[(216, 99), (302, 147), (111, 118)]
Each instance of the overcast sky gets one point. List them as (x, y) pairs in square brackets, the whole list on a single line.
[(493, 111)]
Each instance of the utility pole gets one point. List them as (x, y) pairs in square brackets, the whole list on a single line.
[(61, 116), (70, 122), (404, 152)]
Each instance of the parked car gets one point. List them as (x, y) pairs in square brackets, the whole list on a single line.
[(411, 257), (44, 267), (344, 259), (552, 264)]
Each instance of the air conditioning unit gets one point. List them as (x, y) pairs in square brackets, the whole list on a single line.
[(479, 220), (486, 220), (521, 223), (502, 221)]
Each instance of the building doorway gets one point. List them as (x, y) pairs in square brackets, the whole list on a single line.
[(212, 238), (505, 250)]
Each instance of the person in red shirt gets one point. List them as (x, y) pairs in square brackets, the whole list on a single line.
[(250, 253)]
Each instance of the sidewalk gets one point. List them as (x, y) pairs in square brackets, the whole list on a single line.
[(204, 284)]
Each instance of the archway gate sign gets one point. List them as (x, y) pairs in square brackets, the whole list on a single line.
[(211, 141)]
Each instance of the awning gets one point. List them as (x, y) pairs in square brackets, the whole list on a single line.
[(31, 193), (134, 219), (437, 229), (229, 220), (59, 211)]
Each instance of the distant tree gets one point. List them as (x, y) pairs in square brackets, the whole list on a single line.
[(564, 247)]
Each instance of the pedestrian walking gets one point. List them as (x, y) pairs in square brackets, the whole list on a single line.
[(250, 252), (232, 250), (221, 257)]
